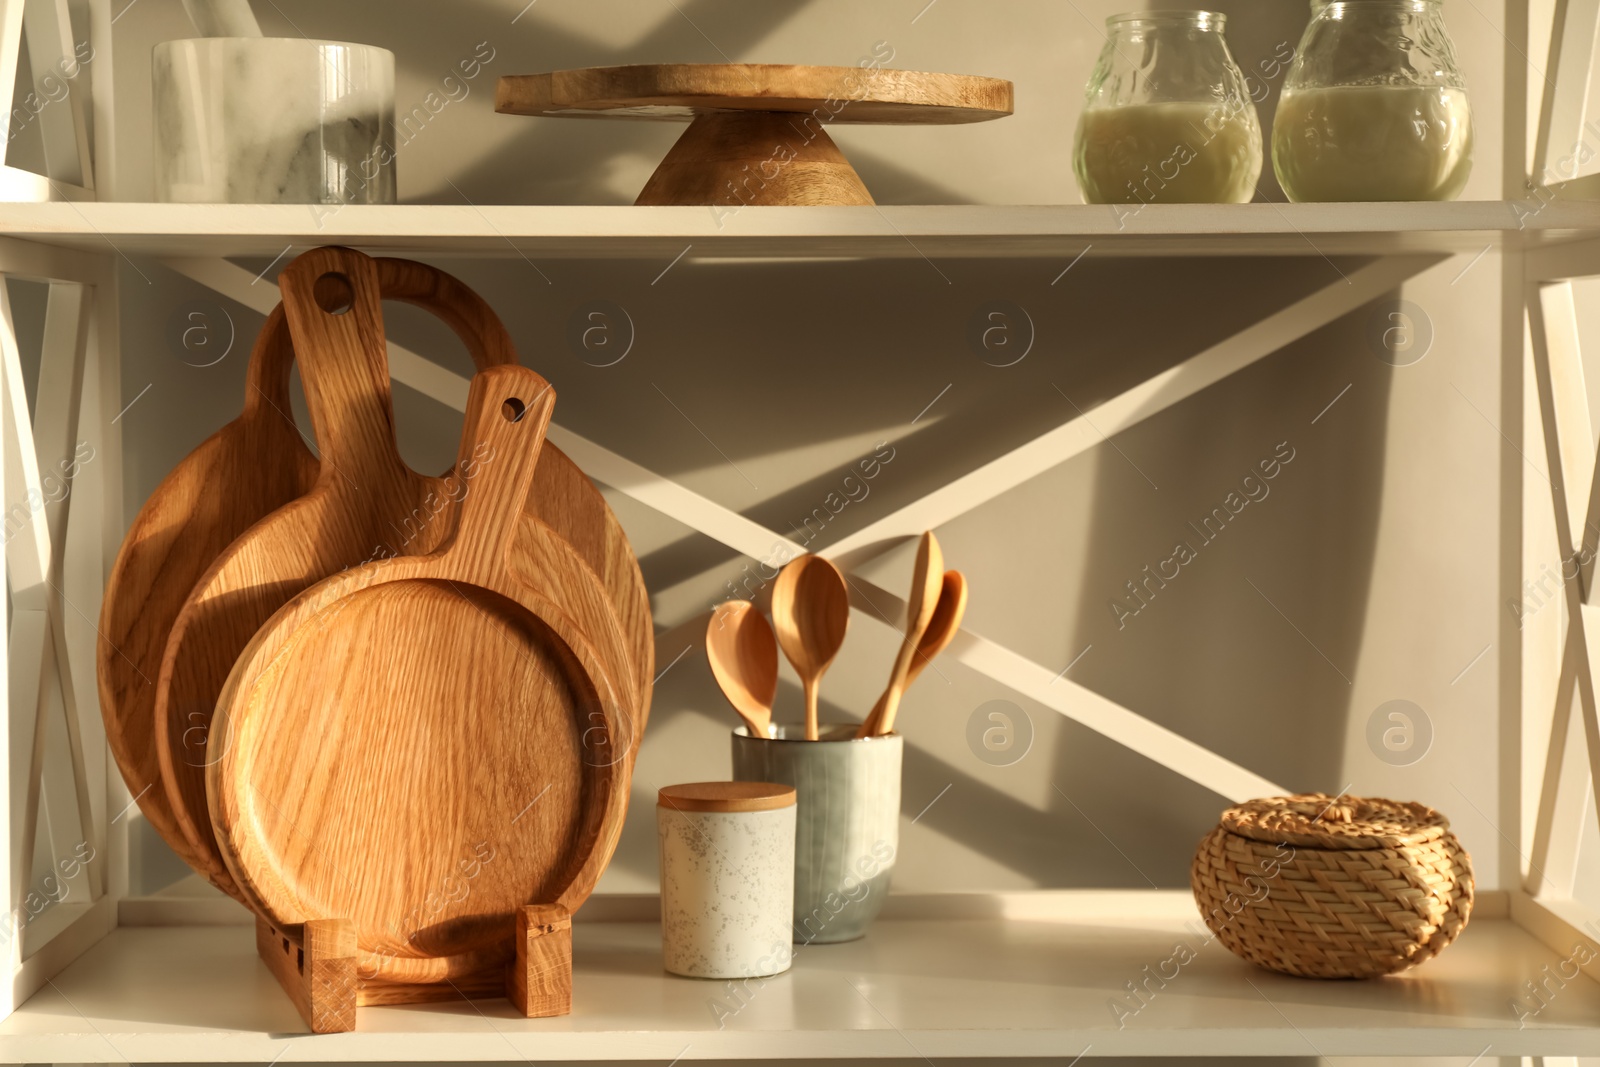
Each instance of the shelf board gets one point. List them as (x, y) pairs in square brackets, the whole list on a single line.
[(1029, 975), (806, 232)]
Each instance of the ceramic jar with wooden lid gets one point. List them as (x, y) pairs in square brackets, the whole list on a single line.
[(727, 878), (1333, 887)]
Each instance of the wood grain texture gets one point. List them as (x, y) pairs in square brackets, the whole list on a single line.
[(743, 656), (682, 90), (726, 796), (316, 966), (733, 159), (927, 582), (810, 614), (540, 982), (942, 629), (756, 134), (194, 514), (563, 498), (363, 495), (425, 744)]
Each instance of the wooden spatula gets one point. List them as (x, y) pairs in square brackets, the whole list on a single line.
[(413, 719)]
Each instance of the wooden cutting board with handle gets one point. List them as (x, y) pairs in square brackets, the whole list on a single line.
[(249, 468), (365, 500), (257, 464), (424, 744)]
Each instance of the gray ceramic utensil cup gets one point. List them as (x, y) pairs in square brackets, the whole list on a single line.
[(847, 827)]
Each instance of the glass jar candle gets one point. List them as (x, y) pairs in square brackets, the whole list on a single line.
[(1374, 106), (1167, 117)]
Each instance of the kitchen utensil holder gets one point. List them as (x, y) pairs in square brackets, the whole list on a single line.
[(318, 967), (847, 820)]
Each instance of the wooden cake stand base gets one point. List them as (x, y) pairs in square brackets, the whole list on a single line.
[(756, 133), (318, 966)]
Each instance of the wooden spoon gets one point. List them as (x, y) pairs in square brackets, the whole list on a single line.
[(945, 625), (811, 612), (927, 581), (744, 660)]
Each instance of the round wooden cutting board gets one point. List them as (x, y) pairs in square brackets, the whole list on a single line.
[(424, 744), (259, 463)]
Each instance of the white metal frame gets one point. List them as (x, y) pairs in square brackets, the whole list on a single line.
[(1044, 684), (60, 508), (44, 29), (1558, 796), (55, 570)]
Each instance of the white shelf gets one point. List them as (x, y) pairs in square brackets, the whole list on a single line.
[(806, 232), (1033, 978)]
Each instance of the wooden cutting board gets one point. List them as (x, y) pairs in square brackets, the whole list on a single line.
[(259, 463), (364, 501), (196, 511), (424, 744)]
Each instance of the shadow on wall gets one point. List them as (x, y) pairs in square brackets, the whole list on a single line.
[(767, 368), (1229, 605), (781, 371), (788, 366)]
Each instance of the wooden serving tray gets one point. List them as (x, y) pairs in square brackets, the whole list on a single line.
[(755, 133)]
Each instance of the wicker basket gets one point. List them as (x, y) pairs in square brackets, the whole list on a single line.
[(1333, 887)]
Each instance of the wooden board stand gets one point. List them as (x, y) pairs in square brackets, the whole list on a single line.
[(319, 968)]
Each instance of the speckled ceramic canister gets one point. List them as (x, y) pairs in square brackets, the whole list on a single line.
[(272, 120), (727, 878), (847, 824)]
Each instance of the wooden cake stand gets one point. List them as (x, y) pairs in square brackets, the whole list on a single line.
[(755, 133)]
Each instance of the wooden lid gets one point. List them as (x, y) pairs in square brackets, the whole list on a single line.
[(682, 90), (727, 796), (1318, 820)]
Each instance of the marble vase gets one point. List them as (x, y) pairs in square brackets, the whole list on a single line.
[(273, 120)]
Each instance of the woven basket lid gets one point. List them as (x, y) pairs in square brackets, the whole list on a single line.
[(1317, 820)]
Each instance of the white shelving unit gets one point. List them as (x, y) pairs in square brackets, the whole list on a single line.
[(941, 979), (1000, 976), (815, 232)]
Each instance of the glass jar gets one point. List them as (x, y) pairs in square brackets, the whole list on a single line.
[(1374, 106), (1167, 117)]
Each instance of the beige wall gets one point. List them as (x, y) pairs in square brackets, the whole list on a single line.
[(1369, 573)]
